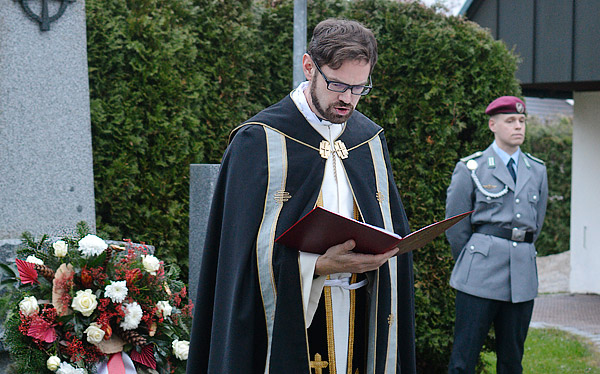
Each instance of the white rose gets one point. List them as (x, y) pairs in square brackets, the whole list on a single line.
[(60, 248), (151, 264), (53, 363), (84, 302), (181, 348), (34, 260), (165, 308), (91, 245), (29, 306), (94, 333)]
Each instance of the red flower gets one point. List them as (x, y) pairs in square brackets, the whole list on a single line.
[(86, 277), (41, 330), (132, 276), (145, 357), (27, 272)]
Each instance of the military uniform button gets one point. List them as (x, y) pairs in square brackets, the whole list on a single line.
[(488, 198), (517, 201), (534, 197), (518, 215), (514, 244)]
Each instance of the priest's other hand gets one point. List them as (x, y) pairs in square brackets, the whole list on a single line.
[(341, 259)]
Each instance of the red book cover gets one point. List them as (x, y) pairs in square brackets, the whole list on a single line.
[(321, 229)]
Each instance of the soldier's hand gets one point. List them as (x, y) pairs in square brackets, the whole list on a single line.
[(341, 259)]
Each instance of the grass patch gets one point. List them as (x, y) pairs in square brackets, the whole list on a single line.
[(553, 351)]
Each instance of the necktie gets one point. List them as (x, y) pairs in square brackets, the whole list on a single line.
[(511, 169)]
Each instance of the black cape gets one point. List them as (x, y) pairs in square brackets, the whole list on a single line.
[(229, 332)]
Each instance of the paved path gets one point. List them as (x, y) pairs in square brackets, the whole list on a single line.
[(576, 313)]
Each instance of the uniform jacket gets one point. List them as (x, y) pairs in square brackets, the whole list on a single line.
[(488, 266), (249, 316)]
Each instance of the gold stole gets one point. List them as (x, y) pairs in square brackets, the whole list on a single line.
[(318, 365)]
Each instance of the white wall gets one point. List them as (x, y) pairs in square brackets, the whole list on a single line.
[(585, 195)]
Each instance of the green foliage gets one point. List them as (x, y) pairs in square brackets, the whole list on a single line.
[(25, 357), (553, 351), (552, 142), (168, 79)]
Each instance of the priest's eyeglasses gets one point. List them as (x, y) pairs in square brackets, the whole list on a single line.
[(343, 87)]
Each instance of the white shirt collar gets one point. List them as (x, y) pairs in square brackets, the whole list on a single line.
[(505, 156), (298, 97)]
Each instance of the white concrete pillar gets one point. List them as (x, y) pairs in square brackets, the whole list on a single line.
[(585, 195)]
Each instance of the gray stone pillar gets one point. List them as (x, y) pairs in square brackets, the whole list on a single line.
[(46, 171), (203, 178)]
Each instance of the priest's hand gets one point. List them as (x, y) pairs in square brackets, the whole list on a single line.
[(341, 259)]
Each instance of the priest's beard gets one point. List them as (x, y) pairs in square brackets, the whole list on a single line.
[(329, 114)]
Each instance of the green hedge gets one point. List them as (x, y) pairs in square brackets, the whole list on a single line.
[(167, 80), (170, 78), (552, 142)]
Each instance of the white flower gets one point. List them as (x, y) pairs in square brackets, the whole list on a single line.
[(52, 363), (84, 302), (165, 308), (29, 306), (60, 248), (34, 260), (133, 316), (151, 264), (92, 245), (181, 348), (66, 368), (116, 291), (94, 333)]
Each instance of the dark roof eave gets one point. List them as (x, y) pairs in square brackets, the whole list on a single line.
[(560, 90)]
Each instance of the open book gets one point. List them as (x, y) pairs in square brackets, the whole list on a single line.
[(321, 229)]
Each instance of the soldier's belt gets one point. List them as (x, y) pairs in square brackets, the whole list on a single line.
[(515, 234)]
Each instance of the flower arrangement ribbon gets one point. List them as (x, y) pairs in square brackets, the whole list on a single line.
[(115, 364), (118, 363)]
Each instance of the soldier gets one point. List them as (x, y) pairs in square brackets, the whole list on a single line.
[(495, 272)]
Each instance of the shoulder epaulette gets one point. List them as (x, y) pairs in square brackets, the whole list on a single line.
[(535, 158), (470, 157)]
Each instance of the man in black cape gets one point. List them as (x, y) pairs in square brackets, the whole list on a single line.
[(266, 308)]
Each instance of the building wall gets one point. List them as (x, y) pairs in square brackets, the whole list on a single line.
[(585, 198)]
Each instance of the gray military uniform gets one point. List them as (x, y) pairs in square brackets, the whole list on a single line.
[(489, 266)]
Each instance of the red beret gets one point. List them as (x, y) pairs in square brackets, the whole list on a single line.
[(506, 105)]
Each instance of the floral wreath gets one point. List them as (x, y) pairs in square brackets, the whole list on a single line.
[(84, 306)]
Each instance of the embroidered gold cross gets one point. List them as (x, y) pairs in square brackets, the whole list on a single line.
[(318, 365), (391, 319), (324, 149), (282, 196), (340, 149)]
